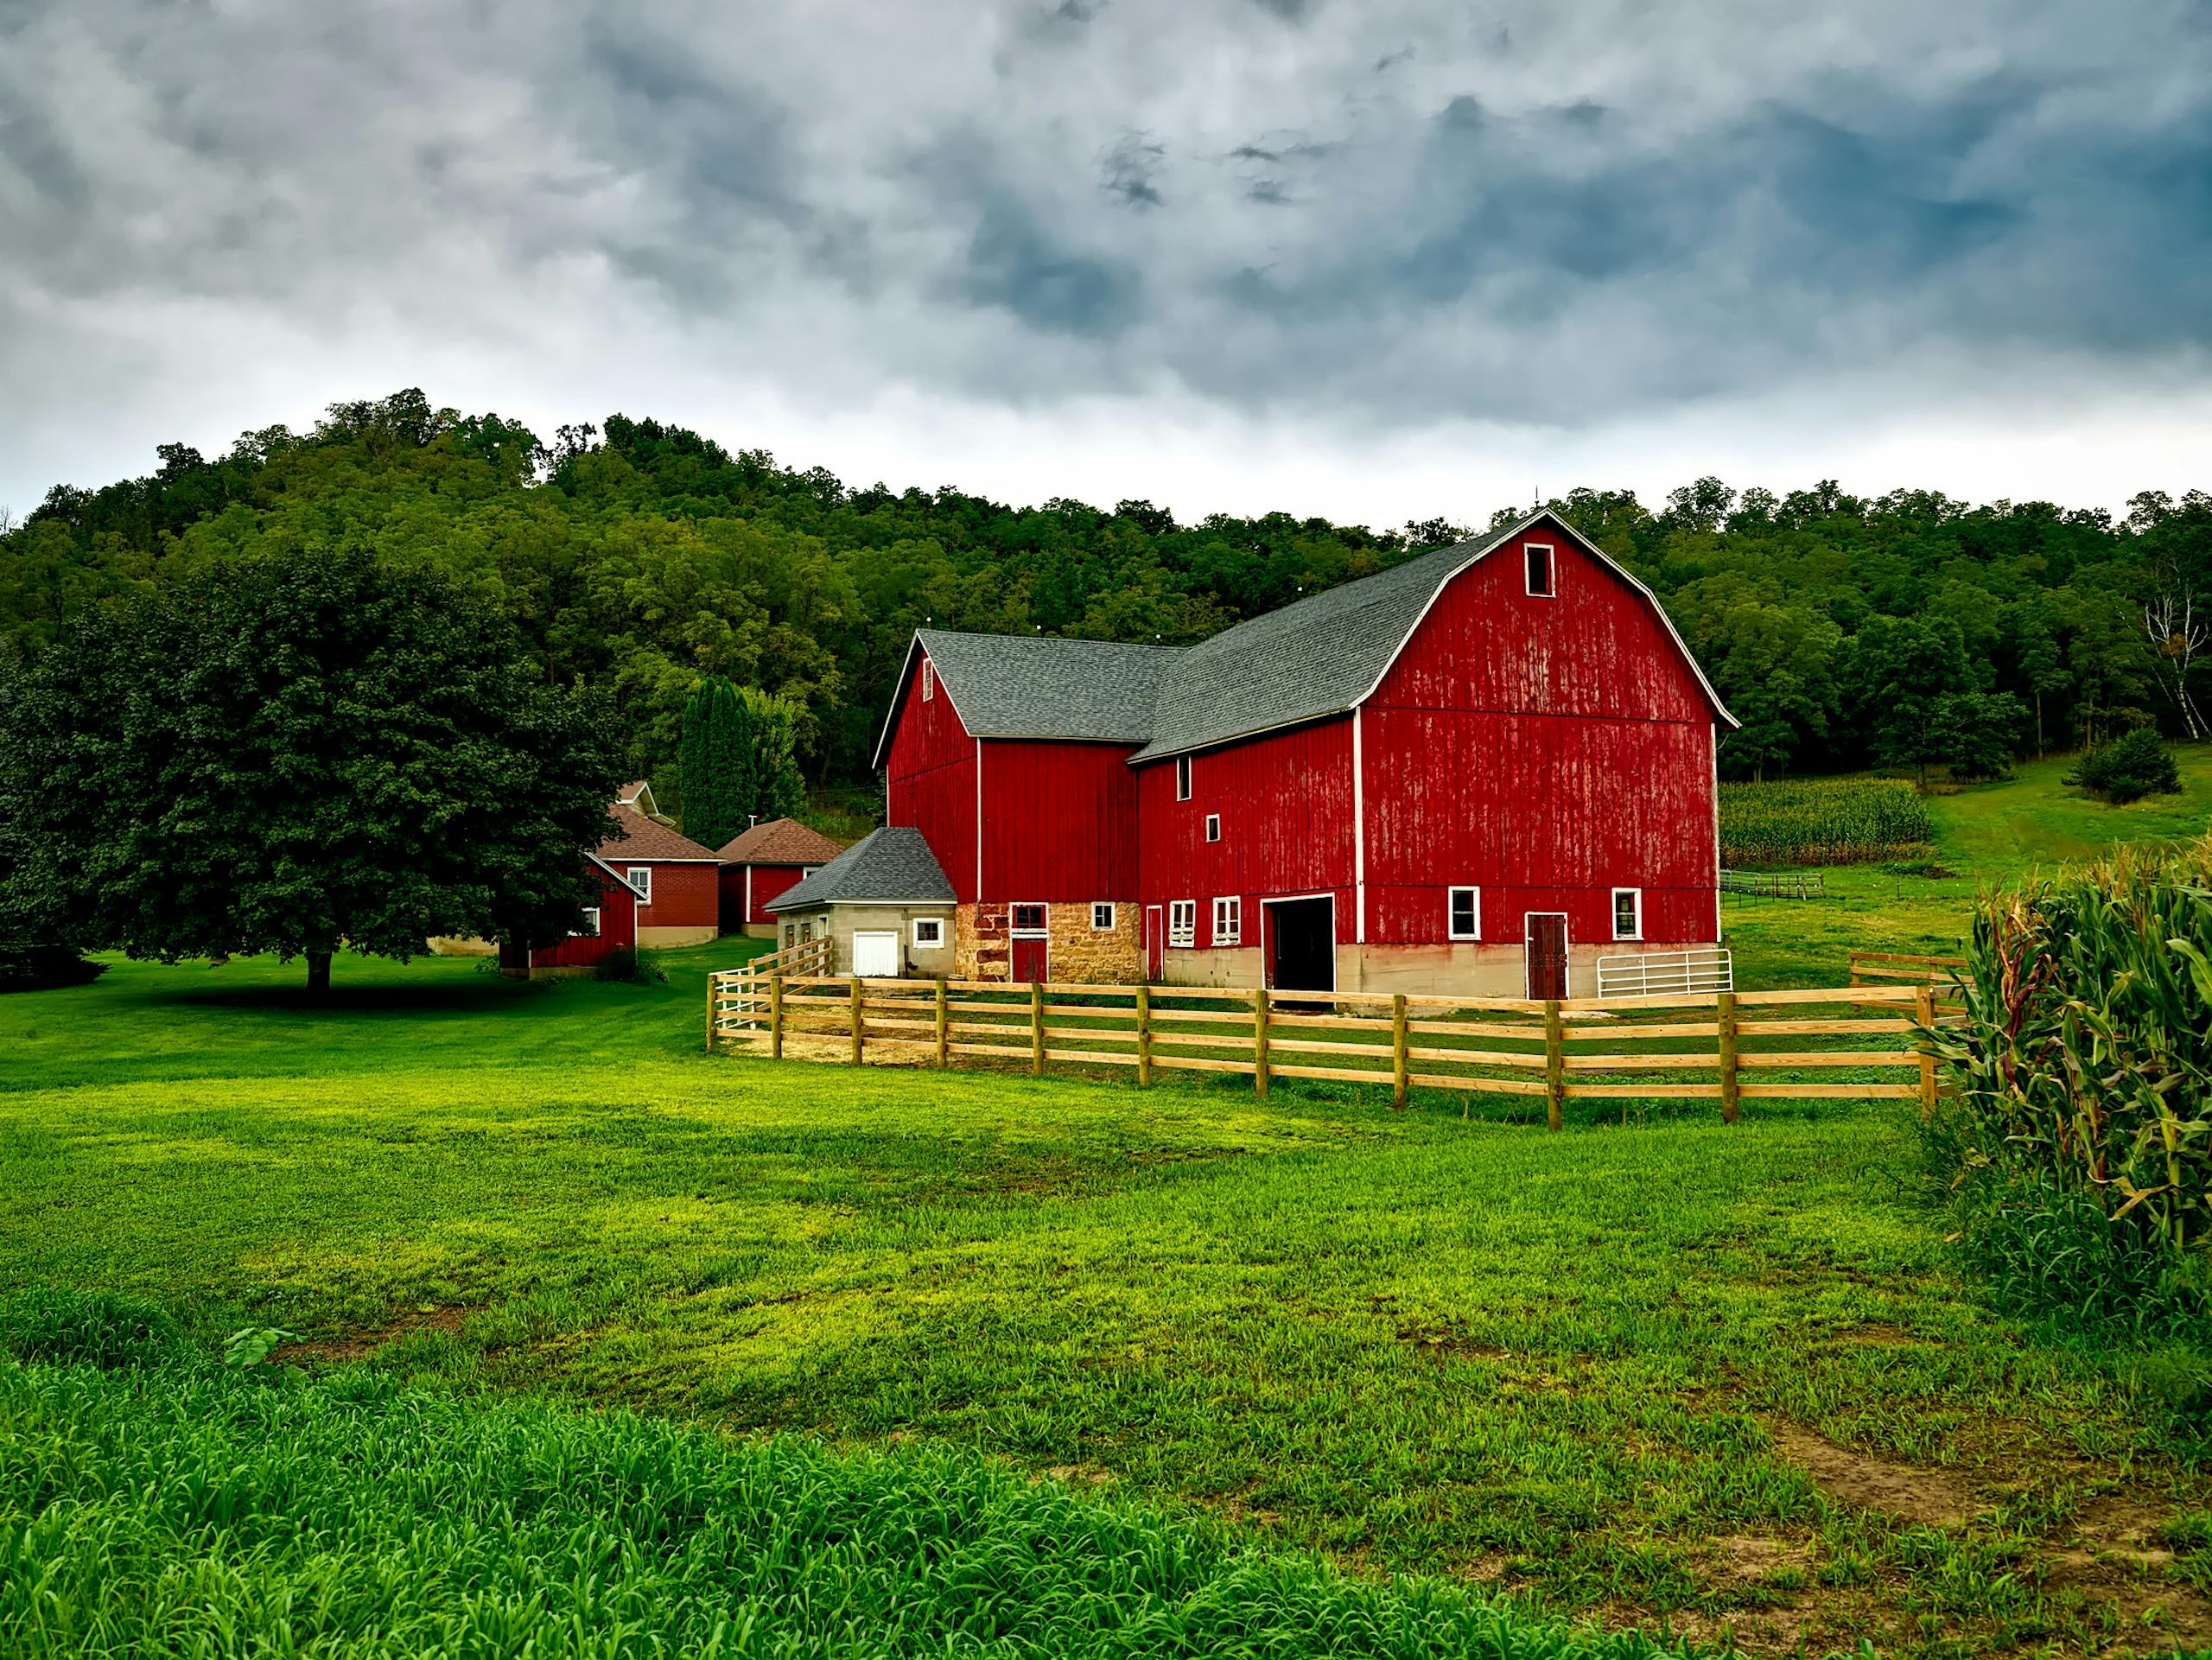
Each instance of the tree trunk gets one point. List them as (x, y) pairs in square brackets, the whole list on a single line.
[(318, 971)]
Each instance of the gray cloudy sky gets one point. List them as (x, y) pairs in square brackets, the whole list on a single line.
[(1373, 259)]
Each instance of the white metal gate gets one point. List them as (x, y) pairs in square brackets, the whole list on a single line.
[(1655, 974)]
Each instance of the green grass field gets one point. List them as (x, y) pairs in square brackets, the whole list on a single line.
[(1701, 1381)]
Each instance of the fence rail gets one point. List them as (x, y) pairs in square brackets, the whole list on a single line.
[(1868, 968), (744, 996), (1729, 1048), (1776, 884)]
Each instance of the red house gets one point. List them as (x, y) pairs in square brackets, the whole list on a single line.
[(678, 883), (1484, 770), (610, 925), (761, 862)]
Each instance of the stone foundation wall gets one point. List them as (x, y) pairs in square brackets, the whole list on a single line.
[(1079, 954)]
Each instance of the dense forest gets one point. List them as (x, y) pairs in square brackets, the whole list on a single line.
[(1911, 630)]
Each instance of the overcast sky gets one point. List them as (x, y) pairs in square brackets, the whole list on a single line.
[(1377, 259)]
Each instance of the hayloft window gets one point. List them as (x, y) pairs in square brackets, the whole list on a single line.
[(1213, 827), (1628, 913), (1228, 921), (1183, 923), (1101, 917), (1540, 568), (640, 878), (1466, 913), (1182, 778), (928, 932), (929, 680), (1029, 919)]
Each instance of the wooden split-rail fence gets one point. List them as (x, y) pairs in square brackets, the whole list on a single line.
[(1872, 968), (1729, 1048)]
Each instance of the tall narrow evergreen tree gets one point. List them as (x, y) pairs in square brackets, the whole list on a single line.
[(712, 765)]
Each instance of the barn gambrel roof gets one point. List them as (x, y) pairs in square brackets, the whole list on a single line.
[(1317, 657)]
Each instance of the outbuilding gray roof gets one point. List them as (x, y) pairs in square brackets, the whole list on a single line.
[(1039, 686), (891, 866)]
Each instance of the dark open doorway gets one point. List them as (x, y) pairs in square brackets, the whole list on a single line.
[(1302, 944)]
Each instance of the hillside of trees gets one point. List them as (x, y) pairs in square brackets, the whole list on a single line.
[(1911, 630)]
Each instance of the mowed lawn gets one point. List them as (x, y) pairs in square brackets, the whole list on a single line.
[(1703, 1379)]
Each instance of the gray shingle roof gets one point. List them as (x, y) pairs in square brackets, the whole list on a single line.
[(1041, 686), (891, 866)]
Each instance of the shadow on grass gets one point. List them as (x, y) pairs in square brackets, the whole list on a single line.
[(466, 998)]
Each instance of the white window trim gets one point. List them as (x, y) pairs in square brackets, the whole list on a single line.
[(1637, 893), (1228, 909), (929, 680), (1107, 906), (1452, 906), (1213, 827), (935, 923), (640, 878), (590, 930), (1182, 778), (1043, 929), (1551, 569), (1182, 925)]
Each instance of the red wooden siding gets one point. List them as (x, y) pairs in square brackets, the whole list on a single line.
[(1545, 750), (618, 931), (1286, 806), (930, 782), (684, 896), (1060, 823), (769, 881)]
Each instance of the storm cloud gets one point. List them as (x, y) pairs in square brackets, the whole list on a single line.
[(1372, 217)]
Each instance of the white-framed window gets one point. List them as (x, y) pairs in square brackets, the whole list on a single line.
[(640, 878), (1463, 913), (929, 680), (806, 933), (1542, 579), (1102, 916), (1029, 918), (590, 929), (1228, 921), (1182, 778), (1213, 827), (1183, 923), (928, 932), (790, 935), (1628, 913)]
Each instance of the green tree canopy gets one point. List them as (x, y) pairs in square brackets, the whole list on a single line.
[(300, 753)]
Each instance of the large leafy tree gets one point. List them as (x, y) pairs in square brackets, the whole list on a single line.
[(300, 753), (767, 751)]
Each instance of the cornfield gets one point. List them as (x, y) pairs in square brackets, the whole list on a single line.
[(2078, 1142), (1822, 822)]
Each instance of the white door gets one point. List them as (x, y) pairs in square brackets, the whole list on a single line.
[(875, 955)]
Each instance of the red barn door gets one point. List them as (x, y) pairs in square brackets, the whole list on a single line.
[(1030, 953), (1155, 943), (1546, 953)]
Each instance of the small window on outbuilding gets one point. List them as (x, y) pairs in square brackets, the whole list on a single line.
[(1102, 916), (1466, 913), (929, 680), (590, 930), (1213, 827), (928, 932), (640, 878), (1182, 778), (1541, 575), (1628, 913)]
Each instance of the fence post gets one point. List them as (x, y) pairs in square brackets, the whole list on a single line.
[(1144, 1034), (943, 1048), (1036, 1028), (1398, 1052), (1729, 1108), (859, 1037), (1554, 1067), (1260, 1041), (1924, 1008), (776, 1015), (710, 1013)]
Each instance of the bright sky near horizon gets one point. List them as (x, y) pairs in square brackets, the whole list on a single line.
[(1378, 261)]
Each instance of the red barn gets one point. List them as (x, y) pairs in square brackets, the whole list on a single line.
[(678, 883), (1482, 770), (764, 862), (610, 925)]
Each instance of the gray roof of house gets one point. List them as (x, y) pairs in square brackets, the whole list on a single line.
[(1040, 686), (891, 866), (1319, 656)]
